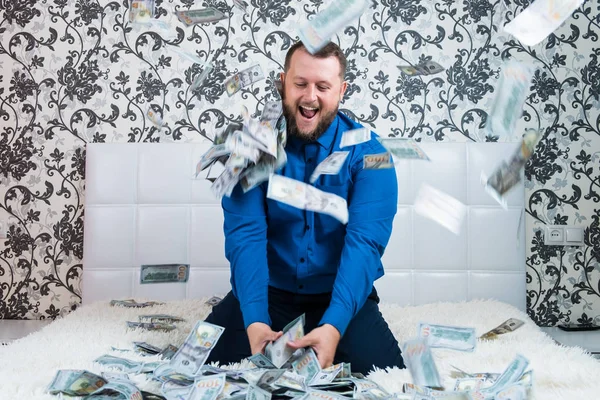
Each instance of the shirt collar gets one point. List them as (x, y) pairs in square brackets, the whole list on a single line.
[(326, 140)]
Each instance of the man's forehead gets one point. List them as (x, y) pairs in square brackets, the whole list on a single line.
[(305, 66)]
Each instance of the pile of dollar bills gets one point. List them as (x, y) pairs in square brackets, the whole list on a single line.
[(282, 372)]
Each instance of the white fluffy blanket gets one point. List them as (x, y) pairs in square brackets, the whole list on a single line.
[(28, 365)]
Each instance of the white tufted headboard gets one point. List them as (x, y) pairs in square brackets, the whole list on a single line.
[(143, 207)]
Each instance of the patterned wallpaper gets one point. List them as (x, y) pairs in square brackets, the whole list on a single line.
[(74, 72)]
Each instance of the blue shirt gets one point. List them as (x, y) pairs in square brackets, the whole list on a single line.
[(272, 243)]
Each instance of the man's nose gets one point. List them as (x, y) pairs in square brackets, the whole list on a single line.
[(311, 93)]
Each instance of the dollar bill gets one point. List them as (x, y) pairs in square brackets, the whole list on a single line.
[(318, 31), (515, 391), (231, 389), (540, 19), (123, 388), (271, 111), (327, 375), (163, 273), (146, 347), (322, 395), (291, 380), (176, 391), (422, 392), (327, 203), (278, 351), (75, 382), (269, 377), (149, 367), (199, 80), (440, 207), (330, 165), (211, 157), (151, 326), (426, 68), (510, 325), (307, 366), (207, 387), (119, 376), (226, 182), (131, 303), (192, 355), (213, 301), (242, 5), (377, 161), (257, 393), (264, 133), (449, 337), (166, 373), (468, 384), (243, 79), (354, 137), (201, 16), (256, 175), (420, 363), (160, 318), (168, 352), (508, 173), (367, 389), (118, 363), (243, 144), (403, 148), (511, 375), (261, 361), (507, 106), (141, 11)]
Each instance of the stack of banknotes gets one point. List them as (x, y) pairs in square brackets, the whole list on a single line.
[(282, 372)]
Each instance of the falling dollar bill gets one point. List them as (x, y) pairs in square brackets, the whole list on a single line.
[(330, 166), (427, 68), (131, 303), (403, 148), (166, 318), (141, 11), (540, 19), (468, 384), (507, 326), (508, 173), (207, 387), (441, 208), (225, 183), (507, 106), (162, 273), (243, 144), (354, 137), (155, 118), (263, 132), (308, 365), (124, 388), (420, 363), (377, 161), (449, 337), (271, 111), (242, 5), (243, 79), (202, 16), (318, 31), (199, 80), (192, 355), (151, 326), (75, 382), (279, 351), (121, 364), (301, 195), (256, 175), (511, 374)]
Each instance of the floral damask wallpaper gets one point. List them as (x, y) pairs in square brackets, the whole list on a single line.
[(74, 72)]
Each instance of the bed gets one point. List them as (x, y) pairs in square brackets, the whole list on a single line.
[(143, 206)]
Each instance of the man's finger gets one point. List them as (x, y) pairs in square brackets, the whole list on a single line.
[(302, 342)]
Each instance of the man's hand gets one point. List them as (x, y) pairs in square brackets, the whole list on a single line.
[(259, 335), (323, 340)]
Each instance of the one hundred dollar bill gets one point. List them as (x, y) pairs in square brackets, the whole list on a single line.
[(318, 31), (322, 395), (377, 161), (119, 376), (540, 19), (257, 393), (330, 165), (291, 380), (146, 348), (511, 375), (168, 352), (226, 182), (176, 391), (194, 352), (263, 132), (419, 361), (269, 377), (327, 375), (155, 118), (211, 156), (441, 208), (207, 387), (243, 144), (307, 366), (163, 273), (516, 391), (355, 136), (118, 363), (427, 68), (468, 384), (199, 80), (202, 16), (507, 106), (151, 326), (367, 389), (166, 373), (510, 325), (403, 148), (141, 11), (449, 337), (278, 351), (261, 361), (166, 318), (255, 175), (75, 382), (131, 303), (271, 111), (243, 79), (124, 388)]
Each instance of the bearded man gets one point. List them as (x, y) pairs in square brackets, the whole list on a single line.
[(286, 262)]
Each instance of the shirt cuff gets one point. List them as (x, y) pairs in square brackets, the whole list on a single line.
[(337, 316), (256, 312)]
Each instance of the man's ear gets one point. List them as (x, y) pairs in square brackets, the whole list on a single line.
[(282, 77), (343, 89)]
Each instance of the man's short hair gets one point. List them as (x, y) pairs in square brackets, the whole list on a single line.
[(330, 50)]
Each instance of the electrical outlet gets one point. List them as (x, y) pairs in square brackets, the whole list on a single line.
[(563, 235)]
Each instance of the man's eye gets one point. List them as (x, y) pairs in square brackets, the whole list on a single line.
[(300, 84), (322, 88)]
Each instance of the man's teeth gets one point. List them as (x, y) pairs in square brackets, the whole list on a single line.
[(309, 108)]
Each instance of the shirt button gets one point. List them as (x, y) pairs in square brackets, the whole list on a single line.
[(302, 260)]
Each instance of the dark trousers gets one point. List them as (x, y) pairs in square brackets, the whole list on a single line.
[(367, 342)]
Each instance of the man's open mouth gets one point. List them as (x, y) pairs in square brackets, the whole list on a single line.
[(308, 112)]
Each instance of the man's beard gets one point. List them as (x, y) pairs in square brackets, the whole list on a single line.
[(292, 126)]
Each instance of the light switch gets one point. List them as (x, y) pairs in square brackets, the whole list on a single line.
[(574, 236)]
